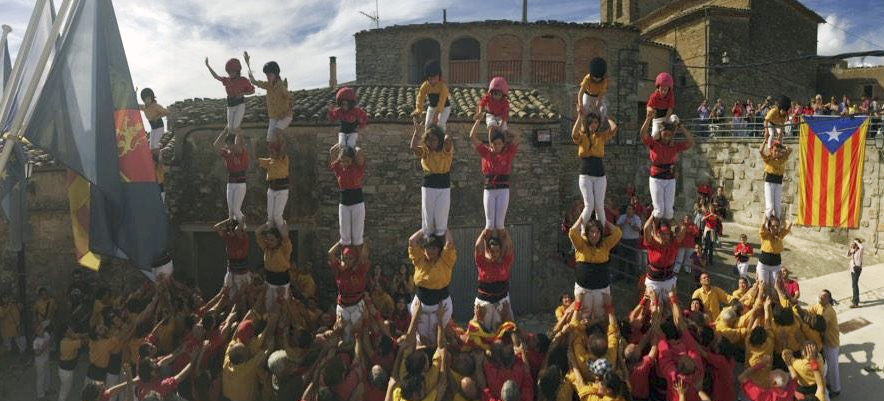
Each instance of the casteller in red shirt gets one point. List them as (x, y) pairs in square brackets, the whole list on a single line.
[(234, 162), (662, 154), (162, 387), (491, 271), (350, 282), (497, 163), (350, 177), (496, 375), (659, 102), (236, 245), (757, 393), (722, 376), (499, 108), (237, 86), (639, 378), (661, 256), (690, 235)]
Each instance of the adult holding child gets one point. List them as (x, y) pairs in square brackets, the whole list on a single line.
[(663, 154)]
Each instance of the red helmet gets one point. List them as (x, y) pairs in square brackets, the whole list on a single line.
[(663, 79), (345, 93), (499, 83), (233, 65)]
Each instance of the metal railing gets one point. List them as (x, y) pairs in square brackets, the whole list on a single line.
[(509, 69), (547, 72), (731, 127), (463, 71)]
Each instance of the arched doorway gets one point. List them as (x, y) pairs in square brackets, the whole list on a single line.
[(547, 59), (463, 61), (421, 51), (505, 57)]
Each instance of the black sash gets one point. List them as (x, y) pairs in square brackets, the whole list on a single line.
[(276, 278), (236, 177), (773, 178), (237, 266), (440, 181), (348, 127), (592, 166), (431, 297), (663, 171), (154, 124), (434, 100), (496, 181), (660, 113), (279, 184), (592, 276), (660, 273), (351, 197), (115, 364), (233, 101), (770, 259), (68, 365), (494, 291)]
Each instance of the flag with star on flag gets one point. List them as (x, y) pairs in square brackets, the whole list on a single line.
[(830, 171)]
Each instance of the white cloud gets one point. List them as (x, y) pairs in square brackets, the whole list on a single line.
[(837, 36)]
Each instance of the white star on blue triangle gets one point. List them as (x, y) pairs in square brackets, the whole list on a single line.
[(833, 132)]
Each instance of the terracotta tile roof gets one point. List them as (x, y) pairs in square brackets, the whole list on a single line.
[(492, 23), (381, 103), (42, 160)]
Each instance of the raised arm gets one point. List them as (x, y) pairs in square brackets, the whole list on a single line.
[(578, 126), (246, 58), (415, 239), (415, 135), (219, 141), (333, 254), (506, 242), (214, 75), (333, 154), (480, 242), (474, 137)]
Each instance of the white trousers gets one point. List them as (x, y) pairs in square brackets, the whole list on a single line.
[(773, 133), (773, 199), (110, 381), (593, 191), (661, 288), (164, 271), (443, 117), (234, 117), (348, 140), (496, 202), (766, 273), (274, 292), (683, 259), (277, 124), (352, 223), (495, 121), (65, 380), (494, 312), (743, 269), (235, 282), (833, 375), (41, 366), (592, 304), (236, 193), (657, 126), (435, 203), (350, 315), (427, 321), (596, 104), (155, 135), (662, 197), (276, 200)]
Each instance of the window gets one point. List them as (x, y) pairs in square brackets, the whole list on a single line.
[(619, 8), (643, 70)]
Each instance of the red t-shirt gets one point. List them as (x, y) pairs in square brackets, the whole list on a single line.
[(704, 189), (349, 178), (497, 164), (235, 162), (738, 111), (791, 287), (184, 358), (658, 101), (744, 249), (690, 235), (661, 256), (663, 154), (489, 271), (346, 386), (350, 283), (163, 387), (354, 115), (711, 220), (757, 393), (638, 378), (237, 246), (722, 376), (500, 108), (237, 86), (372, 394), (495, 376), (401, 321)]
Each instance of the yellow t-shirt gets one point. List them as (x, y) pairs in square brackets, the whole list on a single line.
[(712, 300), (69, 348), (431, 377), (789, 334), (592, 147), (44, 309), (432, 275), (279, 100), (805, 371), (560, 311), (831, 338), (772, 243), (591, 254), (277, 259), (100, 351), (774, 117), (276, 168), (383, 302), (812, 335), (734, 334), (153, 111), (774, 165), (582, 353), (303, 283), (96, 317), (435, 162), (588, 392), (426, 88), (594, 88), (240, 382)]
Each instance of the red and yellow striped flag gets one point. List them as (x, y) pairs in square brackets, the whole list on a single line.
[(831, 151), (79, 197)]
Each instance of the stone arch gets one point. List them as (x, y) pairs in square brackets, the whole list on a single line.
[(585, 50), (547, 59), (422, 50), (505, 57), (463, 60)]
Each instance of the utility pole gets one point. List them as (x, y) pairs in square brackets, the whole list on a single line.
[(524, 11)]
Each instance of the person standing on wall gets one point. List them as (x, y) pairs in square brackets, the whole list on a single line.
[(855, 254)]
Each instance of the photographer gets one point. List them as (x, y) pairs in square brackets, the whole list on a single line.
[(855, 254)]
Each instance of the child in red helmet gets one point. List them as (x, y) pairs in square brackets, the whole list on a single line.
[(593, 88), (279, 100), (349, 115), (237, 88), (661, 103), (495, 105)]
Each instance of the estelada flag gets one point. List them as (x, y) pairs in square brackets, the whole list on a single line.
[(87, 117), (830, 171)]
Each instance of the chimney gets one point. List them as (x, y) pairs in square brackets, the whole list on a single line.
[(332, 72), (444, 15), (524, 11)]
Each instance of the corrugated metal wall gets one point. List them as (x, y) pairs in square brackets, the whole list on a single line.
[(464, 280)]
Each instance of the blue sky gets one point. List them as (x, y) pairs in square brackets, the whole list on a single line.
[(167, 40)]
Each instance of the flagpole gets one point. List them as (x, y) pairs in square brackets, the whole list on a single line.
[(16, 126), (23, 50), (6, 30)]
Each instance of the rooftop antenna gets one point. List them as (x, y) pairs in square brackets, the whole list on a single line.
[(374, 16)]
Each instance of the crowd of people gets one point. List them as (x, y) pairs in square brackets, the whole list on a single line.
[(748, 118), (264, 336)]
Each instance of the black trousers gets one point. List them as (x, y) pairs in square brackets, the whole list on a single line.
[(854, 279)]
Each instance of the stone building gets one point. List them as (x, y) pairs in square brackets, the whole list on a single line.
[(838, 79)]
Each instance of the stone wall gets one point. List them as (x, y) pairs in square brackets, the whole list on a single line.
[(852, 82)]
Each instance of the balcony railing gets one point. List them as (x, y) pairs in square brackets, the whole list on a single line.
[(509, 69), (463, 71), (547, 72)]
